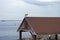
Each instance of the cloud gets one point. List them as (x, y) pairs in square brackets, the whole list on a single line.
[(12, 9), (35, 2), (48, 0)]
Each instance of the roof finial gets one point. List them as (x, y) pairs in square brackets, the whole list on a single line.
[(26, 14)]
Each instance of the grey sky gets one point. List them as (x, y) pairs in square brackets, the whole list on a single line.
[(16, 9)]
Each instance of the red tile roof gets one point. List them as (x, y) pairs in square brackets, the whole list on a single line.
[(49, 25)]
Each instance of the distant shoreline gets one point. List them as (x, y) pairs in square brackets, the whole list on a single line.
[(10, 20)]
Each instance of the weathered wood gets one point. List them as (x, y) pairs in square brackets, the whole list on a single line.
[(34, 37), (49, 37), (56, 37), (20, 35)]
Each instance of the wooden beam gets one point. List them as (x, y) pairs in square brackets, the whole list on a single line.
[(20, 35)]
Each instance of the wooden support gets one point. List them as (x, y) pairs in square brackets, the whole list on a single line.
[(34, 37), (49, 38), (56, 37), (20, 35)]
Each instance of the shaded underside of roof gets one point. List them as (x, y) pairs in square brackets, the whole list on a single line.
[(41, 25)]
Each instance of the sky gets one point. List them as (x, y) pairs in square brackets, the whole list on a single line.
[(16, 9)]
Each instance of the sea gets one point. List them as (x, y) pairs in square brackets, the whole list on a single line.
[(8, 30)]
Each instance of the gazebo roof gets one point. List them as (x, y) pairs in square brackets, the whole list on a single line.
[(41, 25)]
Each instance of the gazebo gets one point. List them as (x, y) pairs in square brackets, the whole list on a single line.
[(40, 25)]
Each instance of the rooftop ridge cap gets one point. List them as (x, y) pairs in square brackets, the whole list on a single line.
[(42, 17)]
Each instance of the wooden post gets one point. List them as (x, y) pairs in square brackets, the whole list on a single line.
[(49, 38), (34, 37), (56, 37), (20, 35)]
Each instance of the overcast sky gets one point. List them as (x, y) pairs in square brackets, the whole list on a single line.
[(16, 9)]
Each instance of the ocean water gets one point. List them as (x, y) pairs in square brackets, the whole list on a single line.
[(8, 29)]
